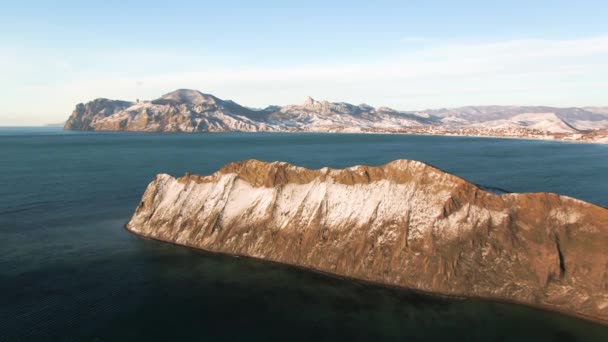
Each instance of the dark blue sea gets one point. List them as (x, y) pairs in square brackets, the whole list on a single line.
[(69, 271)]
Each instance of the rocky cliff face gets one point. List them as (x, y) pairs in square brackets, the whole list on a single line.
[(405, 224), (85, 116)]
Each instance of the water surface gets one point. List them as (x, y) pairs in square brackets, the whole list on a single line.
[(70, 272)]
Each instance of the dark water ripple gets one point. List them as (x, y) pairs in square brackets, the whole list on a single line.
[(70, 272)]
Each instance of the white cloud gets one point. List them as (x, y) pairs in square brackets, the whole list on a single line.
[(531, 71)]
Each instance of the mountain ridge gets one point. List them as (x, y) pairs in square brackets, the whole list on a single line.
[(186, 110), (404, 224)]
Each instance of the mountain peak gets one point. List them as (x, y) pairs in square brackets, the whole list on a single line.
[(312, 104), (189, 96), (309, 101)]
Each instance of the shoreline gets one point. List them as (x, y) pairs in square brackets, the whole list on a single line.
[(530, 138), (546, 308)]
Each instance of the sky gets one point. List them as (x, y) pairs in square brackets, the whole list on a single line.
[(408, 55)]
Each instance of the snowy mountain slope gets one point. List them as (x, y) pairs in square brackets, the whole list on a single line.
[(546, 122), (548, 119), (315, 115), (186, 110)]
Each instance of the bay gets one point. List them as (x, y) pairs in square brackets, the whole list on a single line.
[(70, 272)]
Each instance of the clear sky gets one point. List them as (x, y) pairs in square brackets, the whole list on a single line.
[(402, 54)]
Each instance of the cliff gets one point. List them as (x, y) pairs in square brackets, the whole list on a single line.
[(85, 116), (403, 224)]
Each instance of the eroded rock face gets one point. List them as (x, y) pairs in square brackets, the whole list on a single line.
[(405, 224), (85, 115)]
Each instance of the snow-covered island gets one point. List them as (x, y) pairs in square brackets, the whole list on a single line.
[(404, 224), (187, 110)]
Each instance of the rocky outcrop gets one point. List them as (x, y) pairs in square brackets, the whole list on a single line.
[(85, 116), (403, 224)]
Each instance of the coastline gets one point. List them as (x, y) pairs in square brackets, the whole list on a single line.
[(542, 307), (511, 137)]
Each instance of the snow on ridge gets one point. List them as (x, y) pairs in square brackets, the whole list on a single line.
[(343, 205), (186, 110)]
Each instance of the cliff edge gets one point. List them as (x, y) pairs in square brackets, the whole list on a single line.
[(403, 224)]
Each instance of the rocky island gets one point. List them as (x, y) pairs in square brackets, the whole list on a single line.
[(404, 224), (186, 110)]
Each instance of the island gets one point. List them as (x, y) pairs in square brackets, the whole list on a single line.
[(186, 110), (404, 224)]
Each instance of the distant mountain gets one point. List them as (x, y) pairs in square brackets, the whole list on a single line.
[(550, 119), (601, 110), (192, 111), (180, 111), (187, 110)]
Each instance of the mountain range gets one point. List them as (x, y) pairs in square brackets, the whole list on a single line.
[(186, 110)]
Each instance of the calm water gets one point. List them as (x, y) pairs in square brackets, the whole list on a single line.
[(70, 272)]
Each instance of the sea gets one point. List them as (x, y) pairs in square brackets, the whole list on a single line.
[(69, 271)]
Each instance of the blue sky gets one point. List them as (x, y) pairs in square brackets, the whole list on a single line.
[(402, 54)]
